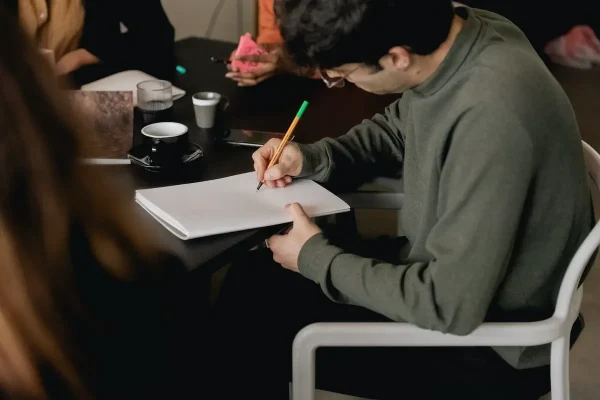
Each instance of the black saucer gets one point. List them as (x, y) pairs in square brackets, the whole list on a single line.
[(140, 156)]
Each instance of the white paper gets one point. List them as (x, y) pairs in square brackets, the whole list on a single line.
[(233, 204), (106, 161), (126, 81)]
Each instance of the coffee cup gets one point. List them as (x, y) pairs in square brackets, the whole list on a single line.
[(167, 142), (208, 107)]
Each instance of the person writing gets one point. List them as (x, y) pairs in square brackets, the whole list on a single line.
[(91, 305), (274, 61), (496, 204), (87, 40)]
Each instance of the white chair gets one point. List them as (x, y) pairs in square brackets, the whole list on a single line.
[(382, 194), (555, 330)]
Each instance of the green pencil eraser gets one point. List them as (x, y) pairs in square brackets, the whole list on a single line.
[(302, 109)]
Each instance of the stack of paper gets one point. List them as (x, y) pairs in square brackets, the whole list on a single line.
[(233, 204), (127, 81), (107, 119)]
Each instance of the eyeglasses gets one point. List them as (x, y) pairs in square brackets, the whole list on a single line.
[(336, 82)]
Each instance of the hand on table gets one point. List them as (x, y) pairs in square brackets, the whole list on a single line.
[(74, 60), (286, 248), (268, 64), (280, 175)]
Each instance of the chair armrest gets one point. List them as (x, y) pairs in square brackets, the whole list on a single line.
[(374, 200), (391, 334), (382, 193)]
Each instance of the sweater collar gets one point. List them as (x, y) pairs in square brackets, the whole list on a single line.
[(457, 55)]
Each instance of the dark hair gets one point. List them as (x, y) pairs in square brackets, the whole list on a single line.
[(330, 33), (46, 198)]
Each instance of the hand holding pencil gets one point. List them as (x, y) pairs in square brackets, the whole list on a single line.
[(280, 175), (278, 161)]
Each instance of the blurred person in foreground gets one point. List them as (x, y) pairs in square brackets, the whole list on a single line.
[(90, 305), (88, 41), (496, 203)]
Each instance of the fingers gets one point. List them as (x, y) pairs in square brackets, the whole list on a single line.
[(262, 157), (241, 75), (279, 183), (248, 79), (297, 212), (254, 82), (260, 166), (279, 175), (262, 69), (266, 65), (283, 182), (256, 73), (276, 172), (251, 78), (274, 243), (266, 58), (229, 66)]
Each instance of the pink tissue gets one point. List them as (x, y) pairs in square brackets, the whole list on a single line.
[(246, 47), (579, 48)]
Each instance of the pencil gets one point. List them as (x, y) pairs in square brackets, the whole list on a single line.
[(219, 60), (286, 139)]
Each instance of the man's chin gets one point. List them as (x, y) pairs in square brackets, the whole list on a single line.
[(367, 89), (380, 92), (377, 92)]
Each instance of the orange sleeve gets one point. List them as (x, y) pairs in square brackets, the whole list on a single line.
[(268, 32)]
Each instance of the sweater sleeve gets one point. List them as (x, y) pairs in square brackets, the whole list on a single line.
[(268, 32), (373, 148), (484, 181)]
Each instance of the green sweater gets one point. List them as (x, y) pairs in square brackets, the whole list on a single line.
[(496, 194)]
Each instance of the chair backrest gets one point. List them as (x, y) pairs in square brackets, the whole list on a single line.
[(569, 298)]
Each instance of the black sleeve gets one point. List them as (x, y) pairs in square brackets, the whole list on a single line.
[(147, 329), (540, 21), (11, 5), (148, 44)]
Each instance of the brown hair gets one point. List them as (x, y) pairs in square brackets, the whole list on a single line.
[(45, 196)]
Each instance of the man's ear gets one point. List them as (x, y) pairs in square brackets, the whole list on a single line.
[(400, 57)]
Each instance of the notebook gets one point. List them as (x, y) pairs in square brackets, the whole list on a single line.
[(233, 204), (106, 119), (126, 81)]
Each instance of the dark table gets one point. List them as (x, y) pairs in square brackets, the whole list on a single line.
[(270, 106)]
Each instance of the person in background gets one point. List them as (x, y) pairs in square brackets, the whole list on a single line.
[(269, 38), (90, 305), (275, 61), (496, 203), (541, 21), (87, 39), (539, 29)]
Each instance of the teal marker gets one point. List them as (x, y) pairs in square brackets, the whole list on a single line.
[(180, 69)]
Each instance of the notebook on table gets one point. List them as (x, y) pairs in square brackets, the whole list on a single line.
[(232, 204), (106, 119), (126, 81)]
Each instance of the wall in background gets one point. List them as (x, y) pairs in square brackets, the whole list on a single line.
[(192, 18)]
